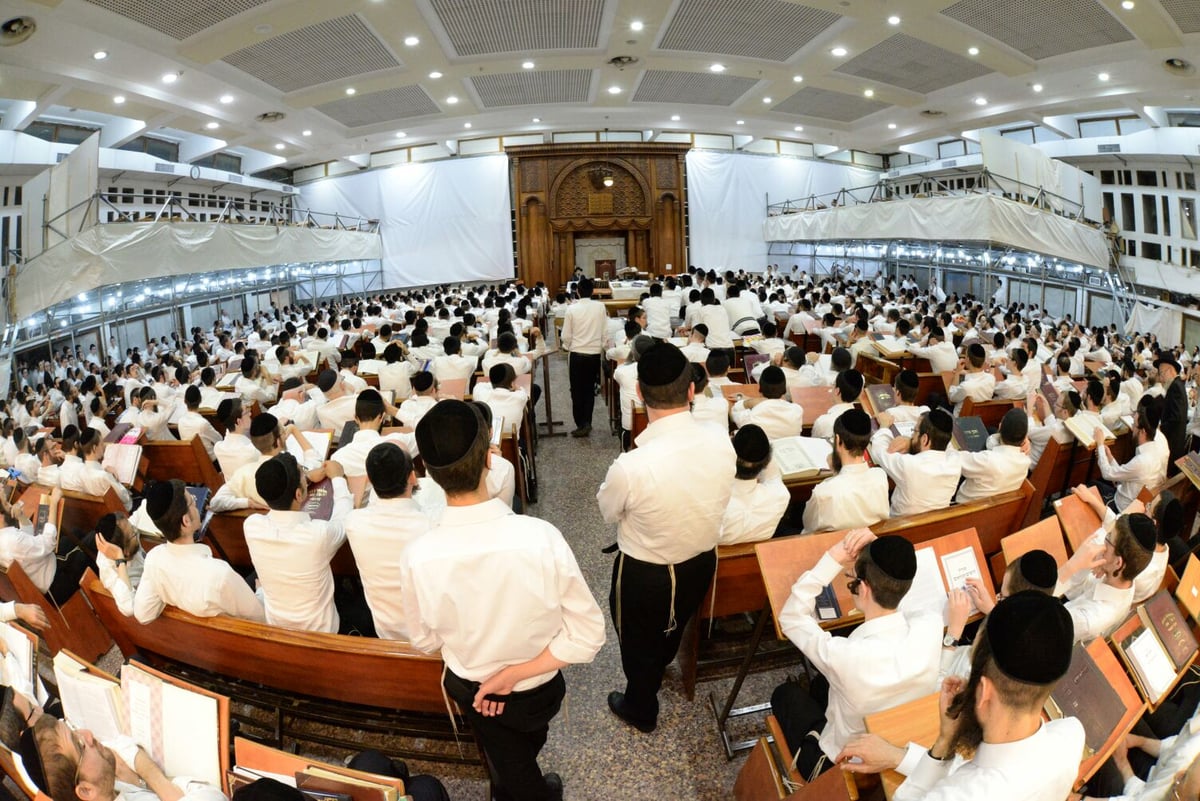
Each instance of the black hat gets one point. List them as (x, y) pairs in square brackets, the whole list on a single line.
[(1167, 358), (772, 375), (976, 351), (1031, 635), (751, 443), (795, 356), (856, 422), (327, 379), (941, 420), (1144, 531), (225, 409), (908, 379), (422, 381), (277, 479), (388, 468), (660, 365), (447, 432), (163, 498), (264, 424), (1038, 569), (267, 789), (895, 556), (106, 526)]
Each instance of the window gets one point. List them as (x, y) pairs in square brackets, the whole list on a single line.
[(1100, 127), (1147, 178), (1189, 181), (1110, 212), (1149, 215), (1166, 217), (1152, 250), (1126, 178), (159, 148), (59, 132), (1130, 247), (1128, 222), (952, 148), (1195, 254), (1187, 218), (1108, 177)]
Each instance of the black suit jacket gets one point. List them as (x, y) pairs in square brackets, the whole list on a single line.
[(1174, 419)]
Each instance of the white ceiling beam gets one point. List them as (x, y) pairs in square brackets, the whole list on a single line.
[(256, 161), (1155, 116), (1064, 125), (199, 147), (24, 112), (119, 131)]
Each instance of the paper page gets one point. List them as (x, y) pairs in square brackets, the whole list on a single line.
[(1152, 663), (20, 657), (800, 455), (927, 590), (190, 734), (319, 440), (88, 701), (960, 566), (140, 698)]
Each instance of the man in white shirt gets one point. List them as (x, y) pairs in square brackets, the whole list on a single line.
[(94, 478), (413, 409), (849, 386), (1098, 578), (774, 413), (583, 339), (890, 659), (453, 366), (974, 381), (1147, 468), (235, 449), (938, 350), (658, 313), (193, 424), (1000, 469), (506, 402), (337, 406), (695, 350), (858, 494), (666, 534), (513, 577), (758, 499), (154, 416), (36, 552), (369, 412), (925, 473)]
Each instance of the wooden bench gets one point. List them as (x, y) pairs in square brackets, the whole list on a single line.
[(228, 541), (928, 385), (991, 412), (1048, 478), (994, 518), (877, 370), (357, 682), (1045, 535), (73, 626), (186, 461), (80, 511)]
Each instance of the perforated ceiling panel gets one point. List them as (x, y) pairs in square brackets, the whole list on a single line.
[(531, 88), (478, 27), (767, 29), (178, 19), (813, 102), (1042, 28), (912, 64), (666, 86), (400, 103), (1186, 14), (328, 51)]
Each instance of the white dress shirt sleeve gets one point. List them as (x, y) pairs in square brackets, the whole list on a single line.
[(799, 622), (582, 632), (612, 494)]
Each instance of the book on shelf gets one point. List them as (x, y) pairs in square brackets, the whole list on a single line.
[(1086, 694), (1161, 615), (970, 434), (1085, 429), (800, 457)]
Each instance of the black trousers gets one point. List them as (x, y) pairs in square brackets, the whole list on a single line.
[(800, 711), (67, 573), (512, 740), (584, 372), (640, 602), (422, 787)]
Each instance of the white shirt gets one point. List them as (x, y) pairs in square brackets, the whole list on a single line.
[(1175, 755), (1042, 767), (720, 335), (491, 588), (925, 481), (193, 790), (822, 427), (234, 451), (334, 414), (991, 472), (35, 554), (976, 386), (1147, 468), (885, 662), (291, 554), (193, 424), (187, 576), (1096, 608), (777, 417), (121, 592), (353, 455), (500, 483), (583, 327), (712, 410), (942, 356), (395, 376), (450, 368), (1150, 579), (658, 317), (855, 497), (668, 495), (755, 508), (378, 535), (508, 407), (97, 481)]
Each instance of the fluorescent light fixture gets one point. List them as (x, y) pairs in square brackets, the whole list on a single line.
[(350, 90), (411, 41), (868, 92), (839, 51), (100, 55), (170, 77), (716, 68), (119, 99), (435, 75), (527, 65), (674, 118), (636, 25), (974, 51), (614, 90), (306, 132), (893, 20), (212, 126), (226, 99), (279, 146), (452, 99)]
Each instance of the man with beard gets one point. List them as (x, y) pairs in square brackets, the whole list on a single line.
[(993, 720), (925, 474), (858, 494)]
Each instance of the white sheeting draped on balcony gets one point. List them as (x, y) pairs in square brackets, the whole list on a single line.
[(970, 218), (117, 253)]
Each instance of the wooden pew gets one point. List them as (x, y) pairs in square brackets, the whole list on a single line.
[(1046, 535), (80, 512), (929, 384), (1048, 477), (994, 518), (991, 412), (73, 626), (384, 674), (228, 540), (1077, 518), (876, 370), (187, 461)]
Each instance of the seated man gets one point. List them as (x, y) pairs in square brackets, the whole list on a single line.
[(413, 409), (338, 406), (291, 551), (1000, 469), (849, 386), (506, 401), (906, 386), (154, 414), (192, 423), (759, 498), (708, 403), (95, 478), (775, 414), (235, 449), (925, 473), (1147, 468), (370, 409), (120, 559), (1098, 578), (973, 381), (858, 494), (37, 553), (239, 490), (890, 659), (453, 365), (183, 572), (396, 372)]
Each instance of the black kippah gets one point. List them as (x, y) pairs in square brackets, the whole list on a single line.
[(447, 432), (895, 556), (751, 443), (941, 420), (388, 467), (772, 375), (277, 479), (1031, 634), (162, 497), (224, 409), (264, 424), (1144, 531), (1038, 569), (908, 379), (106, 526), (422, 381), (327, 379), (856, 422), (661, 364)]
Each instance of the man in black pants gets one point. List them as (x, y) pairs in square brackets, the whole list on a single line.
[(583, 339), (1174, 420)]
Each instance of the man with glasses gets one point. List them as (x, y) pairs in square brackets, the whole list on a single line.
[(890, 659)]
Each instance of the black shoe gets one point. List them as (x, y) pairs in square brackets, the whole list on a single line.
[(554, 786), (582, 431), (616, 702)]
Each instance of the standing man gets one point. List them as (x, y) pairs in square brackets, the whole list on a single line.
[(502, 597), (583, 339), (668, 497), (1174, 420)]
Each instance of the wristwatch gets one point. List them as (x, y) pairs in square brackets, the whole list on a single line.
[(119, 562), (949, 642)]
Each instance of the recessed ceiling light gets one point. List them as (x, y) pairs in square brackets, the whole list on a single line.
[(306, 132), (674, 118), (766, 100), (1127, 5), (401, 134), (636, 25), (868, 92), (893, 20), (1037, 87), (1103, 76), (226, 99), (717, 68), (279, 145), (452, 100), (839, 51), (350, 90), (798, 128), (741, 122), (466, 125), (974, 51), (119, 99), (614, 90), (262, 29), (100, 55), (981, 101), (411, 41), (891, 126), (527, 65), (212, 126), (170, 77), (537, 119), (435, 75), (797, 78)]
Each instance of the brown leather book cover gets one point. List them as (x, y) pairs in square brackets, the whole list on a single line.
[(1162, 614), (881, 396)]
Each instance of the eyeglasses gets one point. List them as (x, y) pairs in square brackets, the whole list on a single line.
[(853, 583)]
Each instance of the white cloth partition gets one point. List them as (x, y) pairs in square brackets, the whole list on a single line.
[(441, 222), (1165, 323), (973, 218)]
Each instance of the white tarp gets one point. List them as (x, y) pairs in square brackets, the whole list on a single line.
[(1008, 158), (441, 222), (728, 194), (973, 218), (117, 253), (1165, 323), (61, 192)]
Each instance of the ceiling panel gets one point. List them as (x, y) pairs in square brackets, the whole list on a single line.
[(533, 88), (1043, 28), (766, 29), (1186, 14), (667, 86), (813, 102), (178, 19), (132, 108), (912, 64), (479, 27), (21, 88), (327, 51), (399, 103)]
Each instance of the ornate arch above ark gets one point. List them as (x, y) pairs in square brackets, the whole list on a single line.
[(628, 191)]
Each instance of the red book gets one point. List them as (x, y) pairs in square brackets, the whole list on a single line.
[(1161, 613)]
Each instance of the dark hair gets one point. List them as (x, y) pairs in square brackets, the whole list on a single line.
[(368, 406), (1126, 545), (854, 443), (668, 396), (939, 438), (888, 591), (463, 476)]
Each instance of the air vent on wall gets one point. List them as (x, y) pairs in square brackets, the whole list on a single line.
[(1178, 66), (1114, 148), (949, 163), (234, 178), (271, 116), (165, 168), (1094, 280), (16, 30), (932, 112), (893, 174)]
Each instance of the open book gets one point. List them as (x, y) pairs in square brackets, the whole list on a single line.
[(1149, 663), (800, 457), (319, 440), (1083, 430), (891, 347), (123, 461)]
